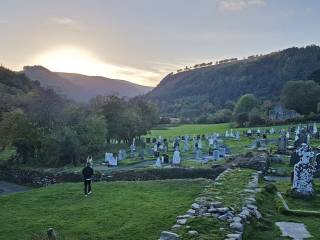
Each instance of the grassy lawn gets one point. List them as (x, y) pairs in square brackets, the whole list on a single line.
[(117, 210), (269, 205)]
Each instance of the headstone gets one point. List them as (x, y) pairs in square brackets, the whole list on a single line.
[(176, 158), (158, 162), (303, 172), (113, 161), (315, 129), (222, 152), (165, 158), (198, 154), (302, 137), (237, 135), (216, 154), (282, 144)]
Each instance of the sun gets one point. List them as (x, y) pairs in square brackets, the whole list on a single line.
[(73, 60)]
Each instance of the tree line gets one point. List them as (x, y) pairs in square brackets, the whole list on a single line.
[(49, 130)]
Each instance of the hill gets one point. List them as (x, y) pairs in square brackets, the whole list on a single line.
[(189, 93), (81, 87)]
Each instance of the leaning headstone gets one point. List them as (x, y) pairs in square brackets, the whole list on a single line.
[(303, 172)]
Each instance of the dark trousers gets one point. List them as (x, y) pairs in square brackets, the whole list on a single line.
[(87, 186)]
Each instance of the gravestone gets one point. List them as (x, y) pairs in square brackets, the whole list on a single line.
[(301, 137), (141, 154), (315, 129), (176, 158), (282, 144), (158, 162), (198, 154), (165, 158), (215, 155), (303, 172), (222, 152)]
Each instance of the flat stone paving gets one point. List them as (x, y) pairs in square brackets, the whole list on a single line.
[(296, 231)]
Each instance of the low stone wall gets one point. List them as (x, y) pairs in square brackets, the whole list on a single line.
[(39, 179)]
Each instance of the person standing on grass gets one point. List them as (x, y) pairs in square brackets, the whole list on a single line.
[(87, 173)]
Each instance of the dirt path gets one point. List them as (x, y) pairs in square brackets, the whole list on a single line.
[(8, 188)]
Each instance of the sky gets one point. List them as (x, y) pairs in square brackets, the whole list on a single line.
[(143, 40)]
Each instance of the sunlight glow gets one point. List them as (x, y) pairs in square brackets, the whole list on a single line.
[(78, 60)]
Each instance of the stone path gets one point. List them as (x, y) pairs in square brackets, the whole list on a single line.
[(8, 188), (297, 231)]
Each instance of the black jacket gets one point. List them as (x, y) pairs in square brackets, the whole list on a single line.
[(87, 173)]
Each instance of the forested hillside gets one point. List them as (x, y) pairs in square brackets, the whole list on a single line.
[(42, 128), (190, 93)]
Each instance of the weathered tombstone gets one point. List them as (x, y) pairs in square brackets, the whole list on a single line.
[(282, 144), (198, 154), (216, 154), (315, 129), (141, 154), (158, 162), (51, 234), (303, 172), (302, 137), (176, 158), (222, 152), (165, 158), (186, 145), (294, 158), (237, 135)]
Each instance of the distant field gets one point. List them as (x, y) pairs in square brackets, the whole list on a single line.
[(118, 210), (202, 129)]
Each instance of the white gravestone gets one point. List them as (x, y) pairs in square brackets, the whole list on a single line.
[(176, 158)]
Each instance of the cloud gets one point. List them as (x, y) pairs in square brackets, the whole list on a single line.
[(238, 5), (3, 21), (63, 21)]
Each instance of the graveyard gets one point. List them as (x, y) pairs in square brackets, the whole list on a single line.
[(214, 182)]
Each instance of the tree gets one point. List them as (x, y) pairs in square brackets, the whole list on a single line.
[(92, 133), (20, 133), (302, 96), (315, 76), (245, 104)]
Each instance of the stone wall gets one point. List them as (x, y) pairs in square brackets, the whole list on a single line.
[(38, 178)]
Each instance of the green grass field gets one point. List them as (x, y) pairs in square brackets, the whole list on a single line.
[(117, 210), (269, 205)]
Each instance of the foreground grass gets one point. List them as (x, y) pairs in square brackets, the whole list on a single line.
[(118, 210), (269, 205)]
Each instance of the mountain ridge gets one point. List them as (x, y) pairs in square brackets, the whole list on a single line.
[(82, 87), (263, 76)]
